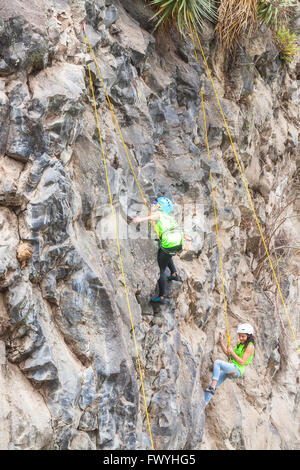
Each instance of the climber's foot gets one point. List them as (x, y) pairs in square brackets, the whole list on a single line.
[(174, 277), (158, 300), (210, 389)]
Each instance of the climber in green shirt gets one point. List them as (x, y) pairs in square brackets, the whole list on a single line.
[(240, 357), (171, 239)]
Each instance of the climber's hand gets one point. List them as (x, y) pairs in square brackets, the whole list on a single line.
[(136, 220), (221, 338)]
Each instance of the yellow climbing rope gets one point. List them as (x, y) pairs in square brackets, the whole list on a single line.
[(242, 174), (216, 221), (118, 245), (119, 130)]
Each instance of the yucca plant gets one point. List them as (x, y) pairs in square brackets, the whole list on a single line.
[(288, 44), (235, 18), (267, 13), (274, 12), (176, 12)]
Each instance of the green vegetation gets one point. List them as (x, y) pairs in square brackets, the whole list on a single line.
[(275, 14), (234, 18), (287, 44), (268, 12), (176, 11)]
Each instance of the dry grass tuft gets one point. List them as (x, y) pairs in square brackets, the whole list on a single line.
[(236, 18), (24, 252)]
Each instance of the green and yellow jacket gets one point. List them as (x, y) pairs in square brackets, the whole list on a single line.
[(170, 234)]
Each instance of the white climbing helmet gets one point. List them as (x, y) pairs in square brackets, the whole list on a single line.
[(245, 328)]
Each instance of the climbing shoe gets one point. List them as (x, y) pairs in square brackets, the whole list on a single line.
[(174, 278), (210, 389), (158, 300)]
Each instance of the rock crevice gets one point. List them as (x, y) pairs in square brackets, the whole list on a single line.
[(68, 349)]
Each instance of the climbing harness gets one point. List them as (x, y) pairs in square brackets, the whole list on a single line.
[(117, 237), (190, 21)]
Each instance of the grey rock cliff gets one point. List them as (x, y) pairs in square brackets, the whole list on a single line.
[(69, 373)]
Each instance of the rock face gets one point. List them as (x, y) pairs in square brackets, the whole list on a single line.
[(69, 373)]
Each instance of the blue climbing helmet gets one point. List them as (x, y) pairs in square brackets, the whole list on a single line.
[(165, 204)]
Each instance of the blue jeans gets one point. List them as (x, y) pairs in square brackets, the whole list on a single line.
[(221, 371)]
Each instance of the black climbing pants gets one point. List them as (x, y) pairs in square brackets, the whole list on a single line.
[(164, 259)]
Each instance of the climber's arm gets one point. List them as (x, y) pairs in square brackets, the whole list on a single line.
[(224, 349), (138, 219), (241, 360)]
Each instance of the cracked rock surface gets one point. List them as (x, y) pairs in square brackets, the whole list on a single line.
[(69, 376)]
